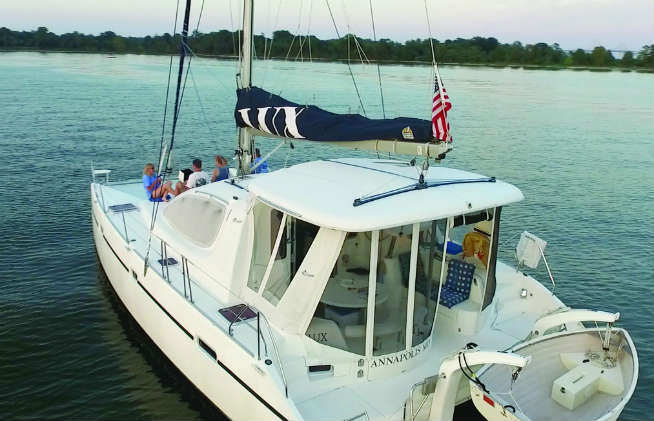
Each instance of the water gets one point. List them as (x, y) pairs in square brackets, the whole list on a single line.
[(578, 144)]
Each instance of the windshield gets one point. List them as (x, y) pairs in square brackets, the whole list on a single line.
[(413, 271)]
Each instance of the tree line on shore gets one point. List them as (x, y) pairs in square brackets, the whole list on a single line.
[(285, 45)]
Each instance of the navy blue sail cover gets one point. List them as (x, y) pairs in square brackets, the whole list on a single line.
[(273, 114)]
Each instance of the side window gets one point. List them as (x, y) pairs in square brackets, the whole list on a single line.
[(428, 271), (285, 265), (340, 318), (267, 222), (391, 293), (275, 222), (198, 217)]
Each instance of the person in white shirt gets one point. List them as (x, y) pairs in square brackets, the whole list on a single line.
[(197, 179)]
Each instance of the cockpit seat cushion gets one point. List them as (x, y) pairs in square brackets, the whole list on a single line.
[(457, 286)]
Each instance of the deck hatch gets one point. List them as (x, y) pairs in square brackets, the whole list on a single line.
[(237, 313), (168, 262), (124, 207)]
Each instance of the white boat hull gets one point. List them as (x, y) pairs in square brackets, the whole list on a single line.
[(235, 382)]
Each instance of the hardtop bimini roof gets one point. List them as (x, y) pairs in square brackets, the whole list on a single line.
[(323, 193)]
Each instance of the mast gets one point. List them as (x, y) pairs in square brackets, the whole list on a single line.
[(245, 139)]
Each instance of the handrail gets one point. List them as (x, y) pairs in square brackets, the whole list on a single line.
[(412, 389), (104, 206), (281, 367), (237, 319), (571, 316), (258, 330), (260, 337)]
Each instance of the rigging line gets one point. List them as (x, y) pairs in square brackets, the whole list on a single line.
[(362, 54), (374, 37), (197, 26), (155, 208), (181, 70), (437, 75), (265, 45), (265, 51), (178, 98), (297, 30), (212, 73), (351, 34), (348, 64), (239, 48), (204, 114), (272, 38), (309, 29), (231, 24), (161, 149), (431, 39), (275, 26), (300, 53), (290, 47), (170, 68)]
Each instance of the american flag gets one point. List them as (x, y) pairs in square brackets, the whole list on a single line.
[(441, 105)]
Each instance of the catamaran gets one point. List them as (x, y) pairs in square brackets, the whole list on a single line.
[(308, 293)]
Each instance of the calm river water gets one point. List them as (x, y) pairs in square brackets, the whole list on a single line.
[(578, 144)]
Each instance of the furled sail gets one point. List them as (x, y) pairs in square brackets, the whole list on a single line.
[(270, 113)]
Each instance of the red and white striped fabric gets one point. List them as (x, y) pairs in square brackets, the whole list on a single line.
[(441, 105)]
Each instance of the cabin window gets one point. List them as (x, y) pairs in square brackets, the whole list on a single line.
[(473, 234), (431, 238), (197, 217), (275, 222), (473, 243), (291, 244), (267, 222), (341, 316), (391, 292)]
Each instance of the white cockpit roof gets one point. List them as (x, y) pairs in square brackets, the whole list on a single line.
[(323, 193)]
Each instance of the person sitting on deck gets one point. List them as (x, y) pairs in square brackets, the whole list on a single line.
[(221, 172), (197, 179), (263, 167), (152, 183)]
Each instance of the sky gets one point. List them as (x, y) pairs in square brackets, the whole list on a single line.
[(614, 24)]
